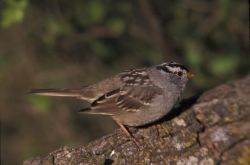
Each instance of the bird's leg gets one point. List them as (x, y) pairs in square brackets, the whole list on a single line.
[(126, 131)]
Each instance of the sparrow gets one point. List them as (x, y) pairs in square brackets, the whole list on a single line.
[(134, 97)]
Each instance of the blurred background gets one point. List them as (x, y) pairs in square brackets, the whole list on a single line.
[(60, 43)]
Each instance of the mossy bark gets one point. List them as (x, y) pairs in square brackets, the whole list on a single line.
[(213, 128)]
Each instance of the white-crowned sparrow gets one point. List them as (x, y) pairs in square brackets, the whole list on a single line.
[(134, 97)]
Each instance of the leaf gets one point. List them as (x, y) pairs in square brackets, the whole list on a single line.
[(40, 102), (117, 25), (193, 55), (13, 13), (95, 11), (223, 64)]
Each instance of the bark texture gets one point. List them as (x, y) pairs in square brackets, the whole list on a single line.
[(213, 128)]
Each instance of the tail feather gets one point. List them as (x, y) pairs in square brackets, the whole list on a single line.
[(85, 110), (56, 92), (93, 112)]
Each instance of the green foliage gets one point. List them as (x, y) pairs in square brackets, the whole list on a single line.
[(86, 13), (101, 49), (223, 64), (40, 103), (55, 28), (95, 11), (193, 55), (117, 25), (13, 12)]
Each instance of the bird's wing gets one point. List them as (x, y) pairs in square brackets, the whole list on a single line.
[(123, 100), (135, 92), (93, 92)]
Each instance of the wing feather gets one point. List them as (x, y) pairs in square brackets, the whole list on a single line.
[(124, 100), (135, 92)]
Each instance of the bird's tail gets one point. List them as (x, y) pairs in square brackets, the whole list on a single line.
[(57, 92)]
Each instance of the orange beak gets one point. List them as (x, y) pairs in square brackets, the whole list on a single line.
[(190, 75)]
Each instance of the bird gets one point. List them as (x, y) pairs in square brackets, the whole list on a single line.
[(134, 97)]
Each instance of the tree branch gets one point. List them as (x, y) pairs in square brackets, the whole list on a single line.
[(209, 129)]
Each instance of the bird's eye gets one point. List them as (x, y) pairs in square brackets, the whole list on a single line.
[(179, 73)]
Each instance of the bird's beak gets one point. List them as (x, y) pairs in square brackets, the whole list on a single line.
[(190, 75)]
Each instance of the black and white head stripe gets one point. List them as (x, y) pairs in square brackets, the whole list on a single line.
[(163, 68), (176, 65), (172, 68)]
